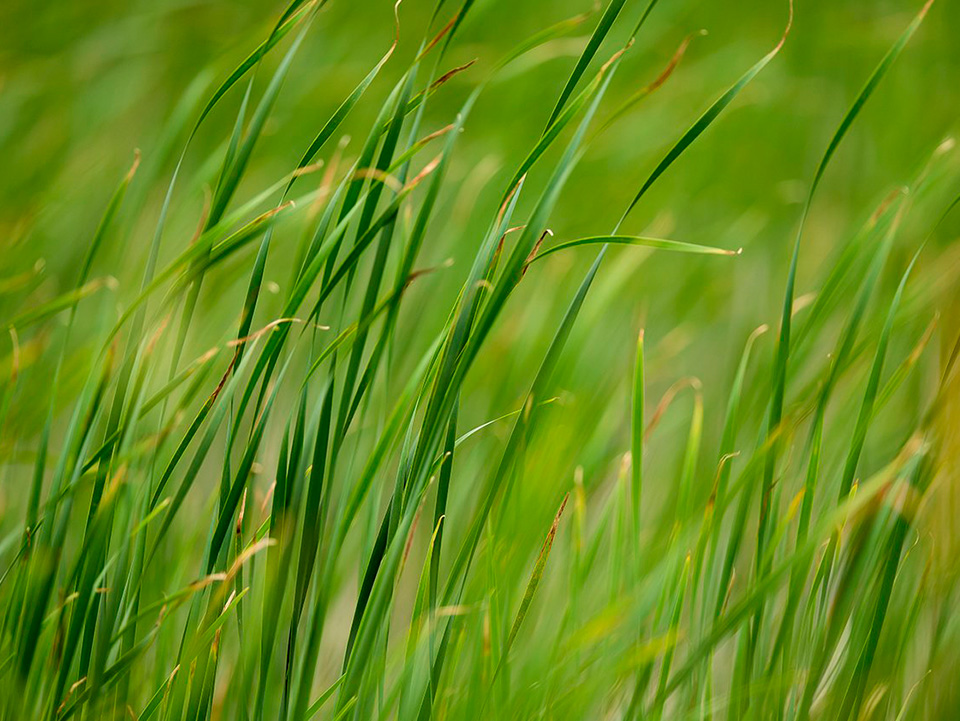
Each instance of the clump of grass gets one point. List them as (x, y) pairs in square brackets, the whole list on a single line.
[(291, 501)]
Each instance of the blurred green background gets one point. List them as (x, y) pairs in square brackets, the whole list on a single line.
[(83, 84)]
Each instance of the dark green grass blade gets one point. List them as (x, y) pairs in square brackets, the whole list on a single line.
[(593, 45)]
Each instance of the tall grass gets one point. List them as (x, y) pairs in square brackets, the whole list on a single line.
[(268, 453)]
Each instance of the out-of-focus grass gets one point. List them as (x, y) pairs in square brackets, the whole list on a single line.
[(366, 431)]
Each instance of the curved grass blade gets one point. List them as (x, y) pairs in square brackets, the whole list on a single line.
[(704, 121), (676, 246), (783, 344)]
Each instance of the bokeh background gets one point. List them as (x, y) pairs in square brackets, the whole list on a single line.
[(84, 83)]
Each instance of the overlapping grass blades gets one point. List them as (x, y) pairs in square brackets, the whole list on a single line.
[(325, 499)]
